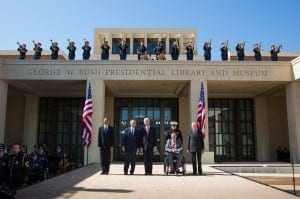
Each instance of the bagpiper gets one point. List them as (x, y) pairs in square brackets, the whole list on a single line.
[(72, 48), (54, 50), (22, 50), (86, 51), (37, 50)]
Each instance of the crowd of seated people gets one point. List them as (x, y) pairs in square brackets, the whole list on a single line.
[(18, 167)]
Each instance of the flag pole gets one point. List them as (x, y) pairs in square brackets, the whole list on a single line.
[(87, 120), (87, 156)]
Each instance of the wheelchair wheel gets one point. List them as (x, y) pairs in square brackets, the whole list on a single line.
[(183, 166), (165, 165)]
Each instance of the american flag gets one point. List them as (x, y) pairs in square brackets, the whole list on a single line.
[(87, 118), (201, 111)]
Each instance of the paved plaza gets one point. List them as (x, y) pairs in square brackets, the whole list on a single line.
[(86, 182)]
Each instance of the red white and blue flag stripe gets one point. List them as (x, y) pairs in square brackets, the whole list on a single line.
[(201, 111), (87, 118)]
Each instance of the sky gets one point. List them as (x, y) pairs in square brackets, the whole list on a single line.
[(255, 21)]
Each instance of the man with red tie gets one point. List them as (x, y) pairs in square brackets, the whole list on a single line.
[(148, 135), (105, 143)]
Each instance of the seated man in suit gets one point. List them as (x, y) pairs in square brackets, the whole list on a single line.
[(174, 148)]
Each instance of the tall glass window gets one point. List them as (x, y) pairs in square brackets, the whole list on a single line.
[(60, 123), (231, 133)]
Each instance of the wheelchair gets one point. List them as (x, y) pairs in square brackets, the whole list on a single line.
[(167, 167)]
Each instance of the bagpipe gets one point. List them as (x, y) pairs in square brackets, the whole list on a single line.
[(225, 44), (71, 46), (22, 47), (54, 45), (37, 46), (209, 43), (86, 46)]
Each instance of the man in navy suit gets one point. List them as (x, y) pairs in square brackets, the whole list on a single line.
[(105, 143), (195, 147), (149, 140), (130, 145)]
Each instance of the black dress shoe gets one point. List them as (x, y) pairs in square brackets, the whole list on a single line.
[(146, 174), (102, 173), (125, 173), (131, 173)]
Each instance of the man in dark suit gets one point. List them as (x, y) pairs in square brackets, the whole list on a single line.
[(149, 140), (195, 147), (105, 143), (130, 145)]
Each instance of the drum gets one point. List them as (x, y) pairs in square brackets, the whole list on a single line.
[(144, 57), (161, 57)]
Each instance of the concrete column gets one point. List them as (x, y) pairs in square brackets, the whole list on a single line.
[(3, 100), (293, 114), (181, 44), (98, 97), (262, 129), (195, 44), (110, 42), (131, 43), (167, 44), (31, 117), (145, 39)]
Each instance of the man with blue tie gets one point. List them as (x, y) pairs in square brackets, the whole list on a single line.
[(105, 143), (149, 140), (130, 145), (195, 147)]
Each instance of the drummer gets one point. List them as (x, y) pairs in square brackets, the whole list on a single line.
[(158, 50), (141, 50)]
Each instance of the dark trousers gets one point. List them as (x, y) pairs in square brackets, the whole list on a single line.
[(174, 57), (148, 160), (123, 56), (85, 57), (105, 160), (196, 157), (189, 57), (104, 56), (130, 158)]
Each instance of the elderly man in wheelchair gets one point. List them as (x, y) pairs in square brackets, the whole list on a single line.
[(174, 149)]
